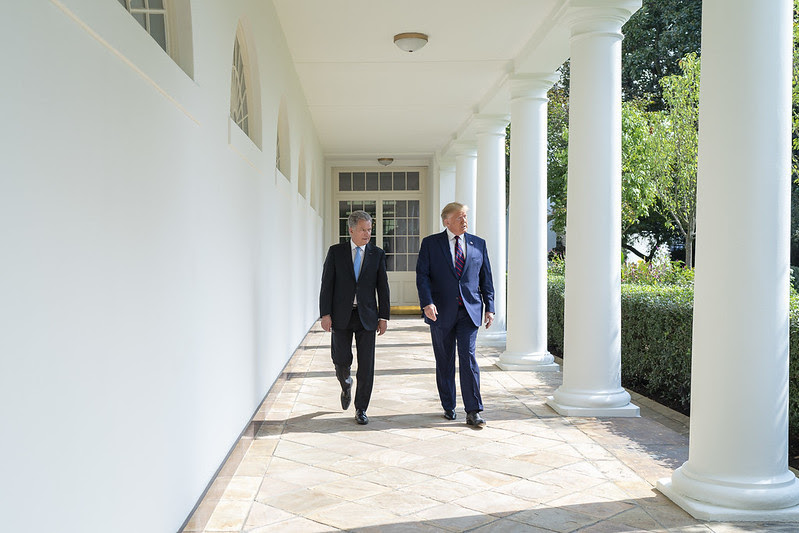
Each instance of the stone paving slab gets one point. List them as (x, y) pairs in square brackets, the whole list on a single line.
[(304, 465)]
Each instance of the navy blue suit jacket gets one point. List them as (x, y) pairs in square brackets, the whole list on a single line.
[(437, 282)]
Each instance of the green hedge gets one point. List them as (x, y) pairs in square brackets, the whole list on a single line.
[(656, 344)]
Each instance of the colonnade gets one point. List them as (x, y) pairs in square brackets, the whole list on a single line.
[(737, 467)]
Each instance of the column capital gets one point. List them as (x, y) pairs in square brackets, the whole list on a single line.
[(532, 86), (491, 124), (446, 164), (465, 148), (585, 17)]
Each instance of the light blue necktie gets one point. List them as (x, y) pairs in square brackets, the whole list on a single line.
[(357, 262)]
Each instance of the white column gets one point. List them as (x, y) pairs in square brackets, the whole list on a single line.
[(446, 185), (466, 176), (592, 346), (527, 228), (737, 466), (491, 201)]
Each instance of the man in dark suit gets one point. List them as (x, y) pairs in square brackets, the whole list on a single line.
[(354, 272), (453, 278)]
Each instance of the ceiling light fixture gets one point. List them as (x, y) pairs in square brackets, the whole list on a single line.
[(410, 41), (385, 161)]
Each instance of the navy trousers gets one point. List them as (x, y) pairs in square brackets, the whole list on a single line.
[(462, 335)]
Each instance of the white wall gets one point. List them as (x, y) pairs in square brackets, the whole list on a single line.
[(145, 306)]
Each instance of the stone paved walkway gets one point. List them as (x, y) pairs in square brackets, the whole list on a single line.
[(304, 464)]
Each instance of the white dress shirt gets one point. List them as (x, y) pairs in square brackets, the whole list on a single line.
[(452, 245)]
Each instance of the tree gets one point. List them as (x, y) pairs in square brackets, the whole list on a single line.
[(673, 150), (637, 191), (656, 37), (558, 149)]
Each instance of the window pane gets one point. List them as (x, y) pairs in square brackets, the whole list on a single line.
[(388, 226), (358, 181), (389, 208), (343, 209), (342, 227), (413, 226), (371, 208), (413, 208), (399, 181), (141, 18), (390, 263), (402, 245), (385, 181), (414, 244), (402, 227), (158, 30), (345, 181), (412, 262), (371, 181), (401, 263), (413, 181), (402, 208), (156, 4), (124, 3), (343, 239), (373, 240), (137, 4), (388, 244)]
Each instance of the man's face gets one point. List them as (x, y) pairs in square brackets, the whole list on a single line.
[(457, 222), (361, 233)]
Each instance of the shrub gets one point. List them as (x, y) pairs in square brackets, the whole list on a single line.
[(656, 328)]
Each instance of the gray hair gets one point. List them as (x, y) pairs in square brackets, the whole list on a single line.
[(452, 207), (355, 216)]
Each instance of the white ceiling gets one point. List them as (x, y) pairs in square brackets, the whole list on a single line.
[(368, 98)]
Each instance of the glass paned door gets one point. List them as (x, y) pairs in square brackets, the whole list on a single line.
[(345, 207), (400, 234)]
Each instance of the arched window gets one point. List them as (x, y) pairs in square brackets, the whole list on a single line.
[(244, 91), (169, 23), (283, 153), (239, 110)]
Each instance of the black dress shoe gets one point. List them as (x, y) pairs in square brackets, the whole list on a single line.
[(360, 417), (474, 419), (346, 394), (449, 414)]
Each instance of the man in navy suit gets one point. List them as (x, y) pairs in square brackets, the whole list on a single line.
[(453, 278), (354, 272)]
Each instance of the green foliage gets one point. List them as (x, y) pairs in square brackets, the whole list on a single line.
[(558, 149), (656, 336), (637, 190), (673, 151), (655, 38), (657, 274), (795, 97)]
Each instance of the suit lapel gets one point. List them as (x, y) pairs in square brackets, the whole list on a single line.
[(468, 251), (444, 241)]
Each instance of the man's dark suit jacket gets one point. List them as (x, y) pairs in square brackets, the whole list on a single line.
[(339, 286), (437, 282)]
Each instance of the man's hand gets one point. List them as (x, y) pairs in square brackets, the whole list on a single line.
[(489, 319), (327, 323), (431, 312), (382, 325)]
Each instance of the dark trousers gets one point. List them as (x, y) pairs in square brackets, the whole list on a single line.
[(464, 335), (341, 351)]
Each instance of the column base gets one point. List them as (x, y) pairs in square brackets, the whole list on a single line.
[(593, 403), (716, 513), (774, 499), (535, 362), (489, 337)]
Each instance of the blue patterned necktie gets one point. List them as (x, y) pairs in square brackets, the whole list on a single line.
[(357, 262), (459, 259)]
